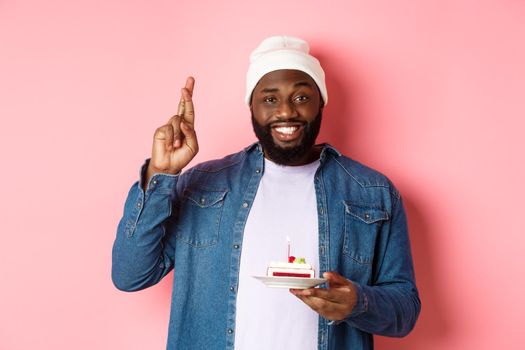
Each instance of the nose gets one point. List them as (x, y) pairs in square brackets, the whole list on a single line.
[(286, 110)]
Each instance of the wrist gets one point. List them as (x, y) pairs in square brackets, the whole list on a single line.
[(152, 170)]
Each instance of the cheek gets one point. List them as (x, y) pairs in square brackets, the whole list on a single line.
[(308, 112), (261, 115)]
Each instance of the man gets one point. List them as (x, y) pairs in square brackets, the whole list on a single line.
[(221, 222)]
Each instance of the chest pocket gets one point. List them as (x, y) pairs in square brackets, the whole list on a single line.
[(362, 225), (200, 217)]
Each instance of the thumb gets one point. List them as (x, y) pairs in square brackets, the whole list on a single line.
[(335, 279)]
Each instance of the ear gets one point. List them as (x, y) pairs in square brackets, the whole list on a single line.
[(251, 100), (321, 100)]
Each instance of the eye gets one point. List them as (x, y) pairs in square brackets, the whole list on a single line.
[(301, 99), (269, 99)]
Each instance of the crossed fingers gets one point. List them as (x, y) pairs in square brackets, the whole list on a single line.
[(185, 113), (185, 108)]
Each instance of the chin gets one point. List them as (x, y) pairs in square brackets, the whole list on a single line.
[(287, 145), (287, 153)]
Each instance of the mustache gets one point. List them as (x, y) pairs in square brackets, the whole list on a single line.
[(279, 120)]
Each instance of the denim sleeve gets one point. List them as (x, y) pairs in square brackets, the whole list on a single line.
[(391, 305), (142, 254)]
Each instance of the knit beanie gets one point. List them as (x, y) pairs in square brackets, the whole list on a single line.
[(283, 52)]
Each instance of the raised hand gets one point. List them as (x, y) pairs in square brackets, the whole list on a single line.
[(175, 143)]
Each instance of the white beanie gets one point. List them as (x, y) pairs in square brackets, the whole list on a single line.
[(283, 52)]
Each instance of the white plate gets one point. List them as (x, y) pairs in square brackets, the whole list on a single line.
[(290, 282)]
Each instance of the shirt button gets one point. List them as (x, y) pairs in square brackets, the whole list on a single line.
[(154, 182), (321, 210), (230, 331), (257, 171), (236, 246), (367, 216), (139, 204), (203, 200), (232, 289), (245, 205)]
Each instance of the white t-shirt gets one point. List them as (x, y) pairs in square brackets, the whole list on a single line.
[(285, 205)]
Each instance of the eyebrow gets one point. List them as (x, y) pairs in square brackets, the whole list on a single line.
[(298, 84)]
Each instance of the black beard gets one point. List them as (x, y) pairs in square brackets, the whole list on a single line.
[(291, 155)]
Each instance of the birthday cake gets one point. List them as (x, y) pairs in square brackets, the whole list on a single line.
[(295, 267)]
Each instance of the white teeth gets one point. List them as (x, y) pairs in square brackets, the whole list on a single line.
[(288, 130)]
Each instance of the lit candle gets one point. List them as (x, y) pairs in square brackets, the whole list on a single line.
[(288, 241)]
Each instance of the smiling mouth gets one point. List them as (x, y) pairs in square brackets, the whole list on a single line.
[(288, 132)]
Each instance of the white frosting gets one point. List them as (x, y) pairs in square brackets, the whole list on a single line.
[(294, 268), (290, 265)]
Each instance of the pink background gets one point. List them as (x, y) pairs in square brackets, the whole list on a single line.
[(429, 92)]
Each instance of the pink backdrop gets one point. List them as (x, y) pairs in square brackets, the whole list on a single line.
[(429, 92)]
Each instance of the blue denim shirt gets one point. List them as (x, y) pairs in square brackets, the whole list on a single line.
[(193, 224)]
